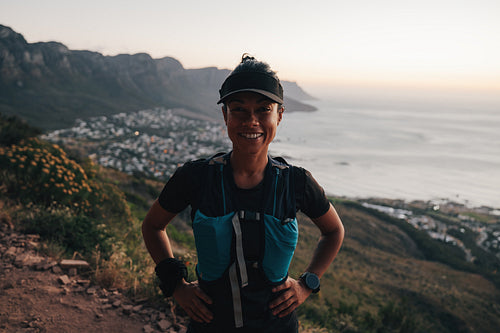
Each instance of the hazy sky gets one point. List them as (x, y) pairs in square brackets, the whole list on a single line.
[(437, 42)]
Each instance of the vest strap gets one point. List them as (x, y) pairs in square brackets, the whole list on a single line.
[(235, 291), (239, 249)]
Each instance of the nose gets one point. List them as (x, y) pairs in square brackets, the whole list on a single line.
[(251, 118)]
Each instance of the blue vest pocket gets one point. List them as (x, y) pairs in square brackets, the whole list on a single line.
[(280, 242), (213, 236)]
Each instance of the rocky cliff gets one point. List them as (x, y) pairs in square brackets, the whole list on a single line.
[(50, 85)]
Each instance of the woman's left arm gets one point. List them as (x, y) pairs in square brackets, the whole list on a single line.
[(332, 235)]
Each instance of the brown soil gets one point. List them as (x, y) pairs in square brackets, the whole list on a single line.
[(37, 295)]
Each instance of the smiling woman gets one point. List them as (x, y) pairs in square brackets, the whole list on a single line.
[(252, 121), (243, 208)]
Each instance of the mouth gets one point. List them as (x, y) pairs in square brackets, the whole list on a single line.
[(251, 136)]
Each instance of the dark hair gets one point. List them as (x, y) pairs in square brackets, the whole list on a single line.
[(250, 64)]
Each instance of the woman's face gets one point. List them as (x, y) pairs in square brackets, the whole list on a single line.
[(251, 120)]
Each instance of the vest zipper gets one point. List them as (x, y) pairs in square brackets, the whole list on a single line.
[(222, 186), (275, 190)]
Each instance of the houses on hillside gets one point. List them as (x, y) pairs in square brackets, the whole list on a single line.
[(153, 142)]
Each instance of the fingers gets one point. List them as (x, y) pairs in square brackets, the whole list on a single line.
[(201, 294), (199, 312), (192, 299), (289, 300), (284, 305)]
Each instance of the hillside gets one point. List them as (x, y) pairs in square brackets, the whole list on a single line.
[(50, 85), (383, 274)]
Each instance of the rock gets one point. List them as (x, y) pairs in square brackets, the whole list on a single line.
[(11, 252), (91, 290), (27, 259), (106, 306), (20, 259), (117, 303), (127, 309), (64, 279), (164, 324), (148, 329), (137, 308), (67, 264), (83, 282), (56, 270), (32, 245)]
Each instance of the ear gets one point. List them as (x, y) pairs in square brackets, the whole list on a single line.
[(280, 114)]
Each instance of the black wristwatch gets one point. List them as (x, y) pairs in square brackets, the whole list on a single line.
[(311, 281)]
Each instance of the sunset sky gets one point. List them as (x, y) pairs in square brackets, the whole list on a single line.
[(427, 42)]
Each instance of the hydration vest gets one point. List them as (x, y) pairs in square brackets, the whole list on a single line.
[(229, 239)]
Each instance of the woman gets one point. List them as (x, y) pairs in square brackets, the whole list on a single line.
[(243, 210)]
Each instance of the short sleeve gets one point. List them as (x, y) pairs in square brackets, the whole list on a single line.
[(176, 194), (311, 198)]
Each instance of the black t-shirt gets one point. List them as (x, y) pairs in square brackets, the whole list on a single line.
[(184, 188)]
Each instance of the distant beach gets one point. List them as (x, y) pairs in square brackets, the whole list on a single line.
[(420, 152)]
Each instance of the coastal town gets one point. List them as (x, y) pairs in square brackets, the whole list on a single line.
[(155, 142), (488, 238), (152, 142)]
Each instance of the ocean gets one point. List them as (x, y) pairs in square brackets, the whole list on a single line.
[(411, 151)]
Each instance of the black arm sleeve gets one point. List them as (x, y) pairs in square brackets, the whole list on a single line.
[(310, 196)]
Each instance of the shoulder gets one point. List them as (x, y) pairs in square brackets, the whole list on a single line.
[(310, 195), (298, 173), (196, 166)]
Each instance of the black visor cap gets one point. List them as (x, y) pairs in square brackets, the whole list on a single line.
[(257, 82)]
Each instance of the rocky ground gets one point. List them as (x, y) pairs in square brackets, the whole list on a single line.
[(39, 294)]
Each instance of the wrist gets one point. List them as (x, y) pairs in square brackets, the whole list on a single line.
[(311, 281), (170, 272)]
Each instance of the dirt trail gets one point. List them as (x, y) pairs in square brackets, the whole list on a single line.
[(37, 294)]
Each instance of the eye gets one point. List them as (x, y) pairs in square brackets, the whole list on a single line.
[(265, 109)]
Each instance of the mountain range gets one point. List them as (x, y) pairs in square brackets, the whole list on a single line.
[(50, 86)]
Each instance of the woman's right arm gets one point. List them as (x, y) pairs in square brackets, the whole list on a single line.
[(154, 234), (189, 296)]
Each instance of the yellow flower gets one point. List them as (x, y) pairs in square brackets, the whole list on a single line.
[(47, 171)]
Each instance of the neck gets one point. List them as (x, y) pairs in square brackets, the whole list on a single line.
[(248, 169)]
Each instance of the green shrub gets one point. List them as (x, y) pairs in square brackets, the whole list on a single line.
[(13, 129), (76, 233), (41, 173)]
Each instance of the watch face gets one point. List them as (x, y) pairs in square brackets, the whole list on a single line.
[(312, 281)]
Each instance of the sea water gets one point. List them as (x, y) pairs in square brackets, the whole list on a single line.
[(422, 152)]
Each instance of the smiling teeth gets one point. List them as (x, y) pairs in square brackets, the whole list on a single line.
[(251, 135)]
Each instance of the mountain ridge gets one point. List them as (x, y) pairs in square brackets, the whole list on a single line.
[(50, 85)]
